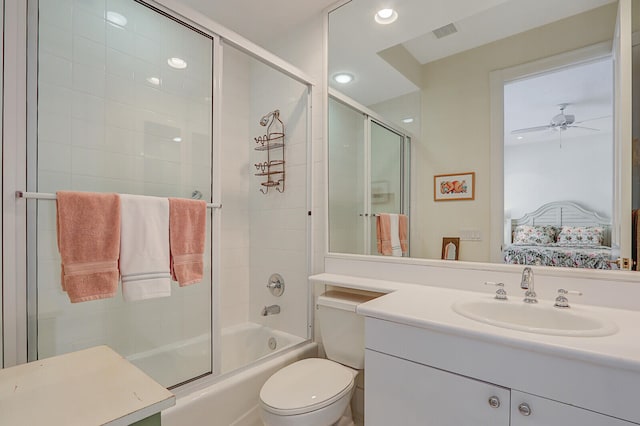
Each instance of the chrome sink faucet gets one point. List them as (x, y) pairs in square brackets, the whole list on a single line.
[(527, 284)]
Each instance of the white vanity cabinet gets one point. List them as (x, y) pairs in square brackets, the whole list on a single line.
[(401, 392), (414, 376), (406, 393)]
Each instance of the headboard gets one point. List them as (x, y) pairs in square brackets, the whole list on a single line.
[(559, 213)]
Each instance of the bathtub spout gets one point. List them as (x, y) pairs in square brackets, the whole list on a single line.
[(270, 310)]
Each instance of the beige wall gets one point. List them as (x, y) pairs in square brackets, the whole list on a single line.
[(456, 125)]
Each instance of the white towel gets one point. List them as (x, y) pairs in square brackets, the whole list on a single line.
[(144, 247), (394, 229)]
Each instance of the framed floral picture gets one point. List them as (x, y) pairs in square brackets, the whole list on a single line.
[(454, 187)]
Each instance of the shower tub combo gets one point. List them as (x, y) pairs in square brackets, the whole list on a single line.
[(251, 353)]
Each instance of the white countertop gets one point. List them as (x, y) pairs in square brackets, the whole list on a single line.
[(430, 308), (90, 387)]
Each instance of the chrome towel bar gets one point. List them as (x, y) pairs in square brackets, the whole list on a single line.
[(48, 196)]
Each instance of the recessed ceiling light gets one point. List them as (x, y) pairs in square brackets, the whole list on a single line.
[(154, 80), (343, 78), (177, 139), (408, 120), (386, 16), (520, 137), (116, 19), (177, 63)]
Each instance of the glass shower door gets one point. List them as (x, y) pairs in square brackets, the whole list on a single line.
[(124, 104), (386, 176), (347, 179)]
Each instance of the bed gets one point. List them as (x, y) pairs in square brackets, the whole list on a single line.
[(560, 233)]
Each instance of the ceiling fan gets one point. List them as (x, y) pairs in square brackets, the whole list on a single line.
[(560, 122)]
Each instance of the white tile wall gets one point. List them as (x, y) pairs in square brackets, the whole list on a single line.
[(103, 127)]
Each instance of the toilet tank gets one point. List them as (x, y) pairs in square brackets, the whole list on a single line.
[(341, 329)]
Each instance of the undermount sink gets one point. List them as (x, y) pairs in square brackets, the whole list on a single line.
[(539, 319)]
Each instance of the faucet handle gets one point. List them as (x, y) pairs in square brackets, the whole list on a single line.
[(501, 294), (561, 300)]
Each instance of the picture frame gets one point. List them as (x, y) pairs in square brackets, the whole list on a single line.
[(454, 187), (450, 248)]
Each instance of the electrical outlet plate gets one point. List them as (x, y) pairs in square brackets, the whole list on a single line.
[(470, 235)]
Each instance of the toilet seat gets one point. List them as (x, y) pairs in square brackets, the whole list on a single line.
[(305, 386)]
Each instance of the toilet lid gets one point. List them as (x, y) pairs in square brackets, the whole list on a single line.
[(306, 385)]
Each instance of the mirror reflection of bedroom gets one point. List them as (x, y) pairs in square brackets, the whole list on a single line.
[(558, 167)]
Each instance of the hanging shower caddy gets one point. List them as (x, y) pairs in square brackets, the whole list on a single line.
[(273, 143)]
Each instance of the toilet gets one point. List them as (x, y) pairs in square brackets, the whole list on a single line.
[(317, 391)]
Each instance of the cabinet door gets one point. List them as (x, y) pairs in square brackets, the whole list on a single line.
[(546, 412), (400, 392)]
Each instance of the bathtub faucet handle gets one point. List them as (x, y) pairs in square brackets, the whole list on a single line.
[(276, 284)]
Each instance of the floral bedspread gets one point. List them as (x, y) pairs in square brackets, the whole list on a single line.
[(593, 257)]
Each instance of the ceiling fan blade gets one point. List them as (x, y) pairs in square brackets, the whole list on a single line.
[(583, 127), (531, 129), (592, 119)]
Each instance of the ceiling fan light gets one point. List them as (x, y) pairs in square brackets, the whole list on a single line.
[(559, 123)]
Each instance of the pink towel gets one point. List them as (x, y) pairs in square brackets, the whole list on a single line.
[(88, 226), (187, 232)]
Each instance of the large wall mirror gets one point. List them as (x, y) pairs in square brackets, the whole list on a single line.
[(522, 123)]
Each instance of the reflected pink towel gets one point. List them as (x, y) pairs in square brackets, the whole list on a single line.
[(385, 238), (383, 234), (403, 229), (187, 232), (88, 226)]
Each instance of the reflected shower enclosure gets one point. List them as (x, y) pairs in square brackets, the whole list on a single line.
[(369, 173)]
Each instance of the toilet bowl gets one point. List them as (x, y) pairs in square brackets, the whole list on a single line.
[(317, 391), (310, 392)]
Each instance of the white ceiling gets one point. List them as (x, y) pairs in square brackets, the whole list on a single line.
[(259, 21), (355, 40), (494, 23)]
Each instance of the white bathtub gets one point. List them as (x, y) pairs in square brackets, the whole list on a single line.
[(233, 398), (241, 345), (244, 343)]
